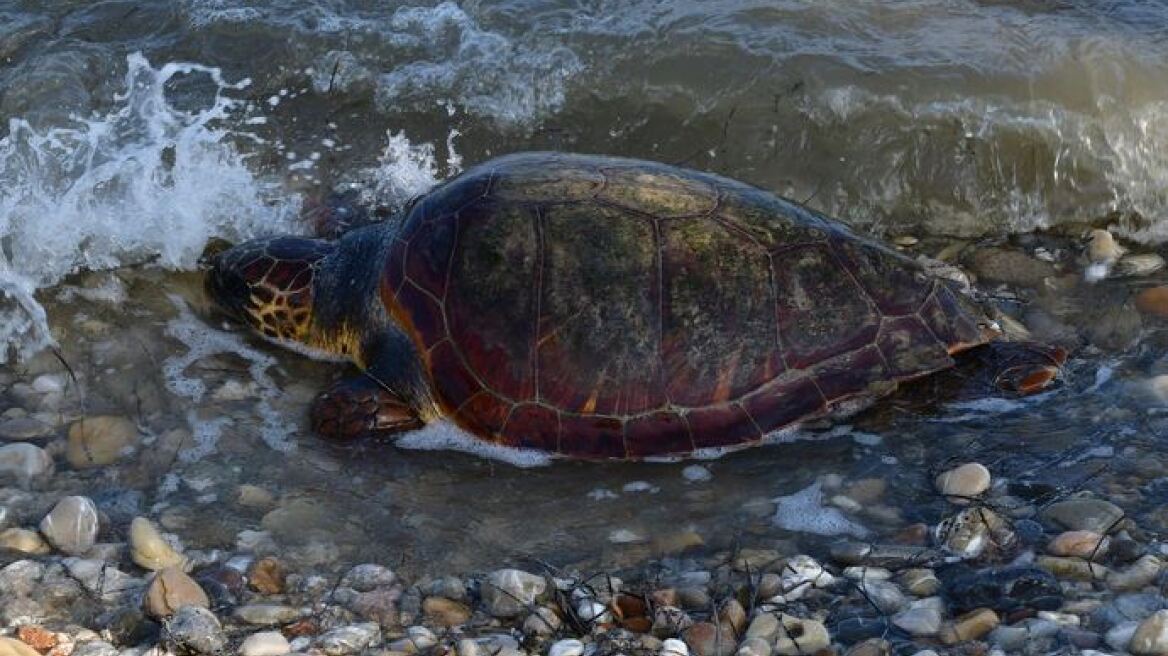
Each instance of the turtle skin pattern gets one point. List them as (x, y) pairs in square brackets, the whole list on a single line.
[(601, 307)]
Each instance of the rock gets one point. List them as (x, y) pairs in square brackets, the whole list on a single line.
[(349, 639), (886, 596), (1079, 544), (100, 441), (37, 637), (446, 613), (764, 626), (754, 647), (1008, 638), (891, 556), (418, 639), (510, 592), (970, 626), (266, 576), (106, 581), (920, 582), (1119, 637), (1153, 301), (23, 429), (14, 647), (1074, 569), (369, 576), (1004, 589), (1139, 265), (673, 647), (670, 621), (24, 541), (1085, 514), (1010, 267), (24, 464), (919, 620), (964, 483), (800, 636), (1139, 574), (570, 647), (1151, 636), (802, 573), (865, 573), (543, 622), (72, 525), (708, 639), (195, 629), (732, 614), (251, 496), (266, 614), (149, 550), (974, 531), (265, 643), (870, 647), (171, 589)]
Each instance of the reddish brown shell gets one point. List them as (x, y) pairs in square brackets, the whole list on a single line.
[(611, 308)]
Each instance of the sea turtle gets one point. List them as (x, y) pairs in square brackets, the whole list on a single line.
[(601, 307)]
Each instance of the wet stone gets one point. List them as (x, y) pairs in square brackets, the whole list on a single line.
[(195, 629), (445, 612), (1079, 544), (970, 626), (1073, 569), (962, 484), (800, 637), (100, 441), (1151, 636), (23, 428), (267, 614), (1137, 575), (14, 647), (919, 620), (265, 643), (1119, 637), (764, 626), (754, 647), (24, 464), (104, 580), (569, 647), (266, 576), (72, 525), (369, 576), (349, 639), (920, 582), (855, 629), (149, 550), (1003, 589), (171, 589), (1084, 514), (543, 622), (708, 639), (24, 541), (672, 647)]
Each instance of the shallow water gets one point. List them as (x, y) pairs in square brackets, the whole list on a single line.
[(138, 132)]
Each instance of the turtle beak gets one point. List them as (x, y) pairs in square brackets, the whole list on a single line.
[(226, 286)]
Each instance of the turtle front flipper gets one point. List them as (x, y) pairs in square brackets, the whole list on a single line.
[(361, 407)]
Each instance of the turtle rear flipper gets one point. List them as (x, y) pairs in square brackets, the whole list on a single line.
[(359, 407)]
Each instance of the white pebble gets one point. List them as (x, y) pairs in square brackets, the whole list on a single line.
[(674, 647), (696, 474), (265, 643), (570, 647)]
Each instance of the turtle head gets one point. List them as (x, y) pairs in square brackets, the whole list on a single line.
[(268, 284)]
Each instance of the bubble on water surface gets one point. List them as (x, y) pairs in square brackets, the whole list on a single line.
[(202, 341), (805, 512), (145, 183), (445, 436)]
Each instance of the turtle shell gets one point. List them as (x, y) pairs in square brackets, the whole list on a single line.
[(611, 308)]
